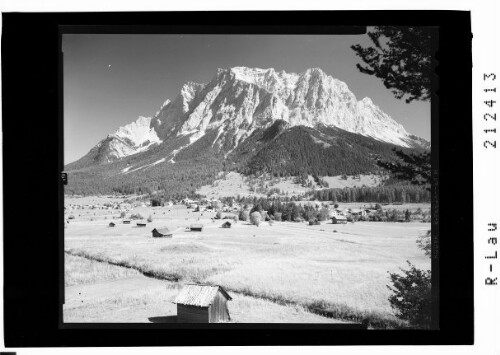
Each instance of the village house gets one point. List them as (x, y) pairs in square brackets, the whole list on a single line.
[(336, 213), (358, 212), (199, 303), (339, 219), (370, 212)]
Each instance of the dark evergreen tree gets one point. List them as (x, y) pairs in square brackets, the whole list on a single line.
[(402, 58), (415, 168)]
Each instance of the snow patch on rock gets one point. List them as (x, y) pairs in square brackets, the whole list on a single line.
[(138, 133), (133, 138)]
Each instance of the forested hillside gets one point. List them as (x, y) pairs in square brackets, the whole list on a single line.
[(279, 151), (323, 152)]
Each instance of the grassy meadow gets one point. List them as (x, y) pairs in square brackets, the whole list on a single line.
[(340, 271), (78, 270), (115, 294)]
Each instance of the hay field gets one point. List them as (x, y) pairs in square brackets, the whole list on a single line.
[(234, 184), (342, 274), (115, 294), (363, 180), (79, 271)]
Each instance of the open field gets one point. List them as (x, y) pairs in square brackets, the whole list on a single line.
[(234, 184), (90, 200), (130, 297), (79, 270), (337, 270), (350, 181)]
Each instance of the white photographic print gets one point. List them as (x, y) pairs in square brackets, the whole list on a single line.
[(249, 178)]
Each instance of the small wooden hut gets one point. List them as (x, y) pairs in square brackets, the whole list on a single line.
[(196, 227), (199, 303), (339, 220), (126, 222), (141, 224), (111, 224), (226, 224), (161, 233)]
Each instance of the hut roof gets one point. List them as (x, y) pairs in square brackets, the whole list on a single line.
[(196, 225), (227, 223), (339, 217), (163, 230), (199, 295)]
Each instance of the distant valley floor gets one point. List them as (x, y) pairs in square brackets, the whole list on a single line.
[(280, 272)]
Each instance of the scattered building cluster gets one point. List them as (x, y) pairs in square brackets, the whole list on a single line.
[(106, 206), (213, 204)]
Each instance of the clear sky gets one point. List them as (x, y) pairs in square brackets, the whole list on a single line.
[(110, 80)]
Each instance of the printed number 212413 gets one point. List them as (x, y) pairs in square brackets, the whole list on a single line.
[(490, 116)]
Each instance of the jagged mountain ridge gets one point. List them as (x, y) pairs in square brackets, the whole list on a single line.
[(240, 100)]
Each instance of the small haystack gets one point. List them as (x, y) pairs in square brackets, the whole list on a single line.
[(226, 224)]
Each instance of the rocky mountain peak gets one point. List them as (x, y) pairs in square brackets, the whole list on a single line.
[(239, 100)]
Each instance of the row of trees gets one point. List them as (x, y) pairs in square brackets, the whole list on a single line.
[(291, 211), (385, 194)]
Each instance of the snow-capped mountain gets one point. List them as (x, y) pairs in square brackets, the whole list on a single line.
[(240, 100), (133, 138)]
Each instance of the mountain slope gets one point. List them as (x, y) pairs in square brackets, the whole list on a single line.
[(250, 120), (300, 150), (131, 139), (239, 100)]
